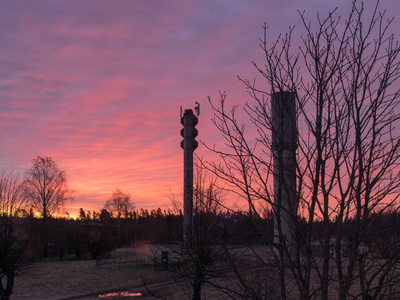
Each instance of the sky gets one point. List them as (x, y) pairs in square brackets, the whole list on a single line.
[(98, 85)]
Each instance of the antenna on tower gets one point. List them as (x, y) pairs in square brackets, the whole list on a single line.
[(197, 108)]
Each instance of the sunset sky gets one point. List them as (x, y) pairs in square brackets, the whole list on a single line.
[(97, 85)]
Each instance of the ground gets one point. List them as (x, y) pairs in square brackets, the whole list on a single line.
[(124, 271), (68, 279), (85, 279), (73, 279)]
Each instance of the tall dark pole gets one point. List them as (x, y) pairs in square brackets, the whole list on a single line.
[(284, 145), (189, 144)]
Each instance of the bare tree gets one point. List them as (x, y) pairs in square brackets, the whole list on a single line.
[(344, 79), (12, 201), (46, 186), (119, 205), (205, 252), (46, 189), (201, 260)]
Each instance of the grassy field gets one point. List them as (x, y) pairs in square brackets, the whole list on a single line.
[(68, 279), (125, 271), (54, 279)]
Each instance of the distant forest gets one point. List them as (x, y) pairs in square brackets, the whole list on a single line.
[(95, 233)]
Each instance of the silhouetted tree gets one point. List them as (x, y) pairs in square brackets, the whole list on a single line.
[(82, 214), (46, 190), (344, 76), (119, 205), (105, 217), (12, 245), (201, 260)]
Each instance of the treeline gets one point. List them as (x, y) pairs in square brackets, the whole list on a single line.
[(95, 233)]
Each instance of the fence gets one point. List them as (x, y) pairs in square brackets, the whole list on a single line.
[(116, 259)]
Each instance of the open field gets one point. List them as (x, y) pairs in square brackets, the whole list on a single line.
[(125, 271), (70, 279), (83, 280)]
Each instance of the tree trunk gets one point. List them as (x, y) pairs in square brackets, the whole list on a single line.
[(45, 234), (196, 290), (5, 293), (198, 282)]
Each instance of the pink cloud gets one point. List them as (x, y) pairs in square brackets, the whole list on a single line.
[(98, 85)]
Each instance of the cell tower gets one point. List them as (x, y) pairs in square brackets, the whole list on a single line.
[(284, 145), (189, 144)]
